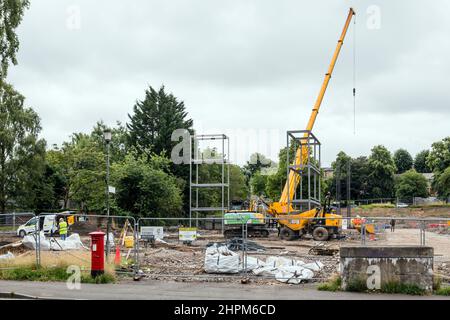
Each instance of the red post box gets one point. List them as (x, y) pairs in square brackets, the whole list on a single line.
[(97, 253)]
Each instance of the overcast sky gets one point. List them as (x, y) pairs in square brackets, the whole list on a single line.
[(251, 69)]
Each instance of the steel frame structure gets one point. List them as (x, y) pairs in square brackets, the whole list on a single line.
[(194, 185), (309, 168)]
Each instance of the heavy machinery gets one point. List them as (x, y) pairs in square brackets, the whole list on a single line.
[(256, 224), (319, 222)]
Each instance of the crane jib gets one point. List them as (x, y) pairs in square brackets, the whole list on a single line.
[(302, 152)]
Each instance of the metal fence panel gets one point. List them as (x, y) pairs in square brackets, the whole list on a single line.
[(165, 248)]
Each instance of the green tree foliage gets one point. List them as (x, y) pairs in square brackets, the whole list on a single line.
[(257, 162), (11, 13), (118, 146), (420, 162), (153, 121), (274, 185), (275, 182), (439, 158), (238, 188), (442, 184), (21, 152), (258, 184), (144, 188), (82, 163), (50, 189), (151, 126), (340, 170), (360, 178), (411, 184), (403, 160), (381, 172)]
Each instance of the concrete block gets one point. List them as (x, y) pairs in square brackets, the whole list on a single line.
[(378, 266)]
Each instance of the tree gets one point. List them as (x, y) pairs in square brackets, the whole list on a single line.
[(340, 169), (49, 189), (144, 189), (118, 146), (420, 162), (411, 184), (381, 172), (151, 126), (153, 121), (360, 178), (257, 162), (276, 181), (438, 161), (258, 184), (21, 152), (439, 158), (403, 160), (442, 184), (238, 188), (11, 13), (82, 163)]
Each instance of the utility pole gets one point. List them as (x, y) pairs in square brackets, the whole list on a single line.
[(338, 190), (107, 136), (348, 188)]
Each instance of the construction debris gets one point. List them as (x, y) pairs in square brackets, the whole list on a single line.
[(220, 259), (324, 249), (236, 244), (7, 256), (73, 242)]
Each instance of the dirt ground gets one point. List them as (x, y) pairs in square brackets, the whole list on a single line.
[(185, 263), (176, 261)]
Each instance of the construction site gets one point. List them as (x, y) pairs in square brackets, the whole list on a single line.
[(310, 236), (295, 240)]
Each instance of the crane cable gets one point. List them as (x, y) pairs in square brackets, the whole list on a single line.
[(354, 75)]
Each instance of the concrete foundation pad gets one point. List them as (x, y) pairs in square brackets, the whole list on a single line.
[(375, 267)]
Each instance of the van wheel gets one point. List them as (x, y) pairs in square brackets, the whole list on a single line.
[(287, 234), (320, 234), (22, 233)]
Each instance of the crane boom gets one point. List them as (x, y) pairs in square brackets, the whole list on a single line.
[(302, 152)]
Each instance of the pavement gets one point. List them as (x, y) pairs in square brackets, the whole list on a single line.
[(171, 290)]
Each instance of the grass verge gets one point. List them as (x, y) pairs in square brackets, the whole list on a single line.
[(405, 288), (445, 291), (333, 285), (377, 205), (57, 273), (359, 285)]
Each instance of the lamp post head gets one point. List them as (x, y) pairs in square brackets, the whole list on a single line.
[(107, 135)]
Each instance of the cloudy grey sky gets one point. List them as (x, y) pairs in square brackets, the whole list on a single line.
[(251, 69)]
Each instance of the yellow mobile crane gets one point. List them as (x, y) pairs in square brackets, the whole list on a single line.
[(319, 222)]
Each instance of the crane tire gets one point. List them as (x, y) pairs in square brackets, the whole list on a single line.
[(320, 234)]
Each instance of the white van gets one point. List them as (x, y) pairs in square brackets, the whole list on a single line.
[(47, 224)]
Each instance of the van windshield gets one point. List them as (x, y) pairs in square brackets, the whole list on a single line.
[(31, 222)]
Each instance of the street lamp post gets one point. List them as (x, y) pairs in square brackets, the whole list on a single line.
[(107, 136)]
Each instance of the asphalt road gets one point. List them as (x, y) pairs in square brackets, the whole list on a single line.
[(159, 290)]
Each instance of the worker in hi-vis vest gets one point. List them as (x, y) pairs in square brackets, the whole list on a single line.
[(62, 229)]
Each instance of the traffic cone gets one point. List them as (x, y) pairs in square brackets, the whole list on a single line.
[(117, 258)]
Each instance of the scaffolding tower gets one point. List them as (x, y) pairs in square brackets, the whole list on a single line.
[(198, 159), (308, 169)]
